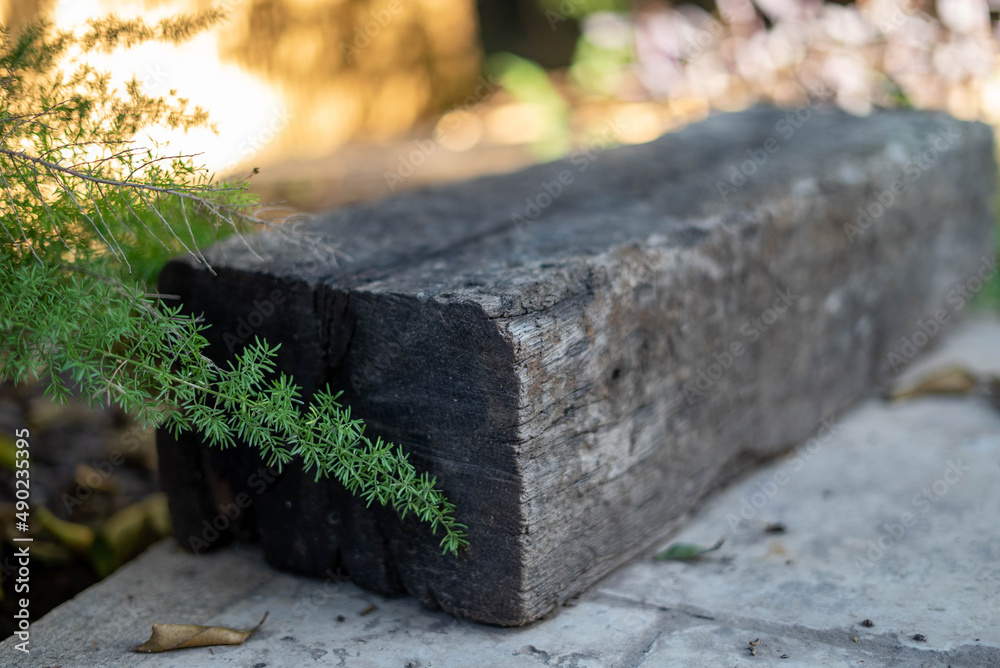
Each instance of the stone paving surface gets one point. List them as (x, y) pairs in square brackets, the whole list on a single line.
[(891, 515)]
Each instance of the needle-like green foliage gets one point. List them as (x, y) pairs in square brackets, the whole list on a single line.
[(87, 221)]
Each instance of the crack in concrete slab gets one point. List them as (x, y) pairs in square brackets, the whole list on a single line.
[(890, 649)]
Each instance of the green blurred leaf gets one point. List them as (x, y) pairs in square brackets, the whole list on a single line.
[(8, 450), (158, 514), (78, 537), (123, 536), (685, 551), (578, 9), (529, 83), (597, 69)]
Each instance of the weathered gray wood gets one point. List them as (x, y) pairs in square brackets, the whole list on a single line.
[(556, 375)]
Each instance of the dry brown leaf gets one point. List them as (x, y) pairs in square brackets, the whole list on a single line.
[(951, 380), (168, 637)]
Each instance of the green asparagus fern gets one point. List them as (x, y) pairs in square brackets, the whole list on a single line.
[(87, 221)]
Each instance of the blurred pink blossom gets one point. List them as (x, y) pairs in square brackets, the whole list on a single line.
[(937, 54)]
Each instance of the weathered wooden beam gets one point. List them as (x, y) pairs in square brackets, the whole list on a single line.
[(579, 352)]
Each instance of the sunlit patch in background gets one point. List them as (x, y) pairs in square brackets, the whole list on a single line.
[(247, 111), (292, 79), (326, 96), (357, 70)]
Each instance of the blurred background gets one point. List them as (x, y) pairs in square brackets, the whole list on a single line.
[(341, 100), (344, 100)]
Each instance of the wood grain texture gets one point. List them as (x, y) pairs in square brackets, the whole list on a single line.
[(557, 375)]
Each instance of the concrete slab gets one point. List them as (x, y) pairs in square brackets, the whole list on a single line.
[(889, 515)]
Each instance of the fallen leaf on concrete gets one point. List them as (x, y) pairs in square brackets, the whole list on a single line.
[(685, 551), (168, 637), (950, 380)]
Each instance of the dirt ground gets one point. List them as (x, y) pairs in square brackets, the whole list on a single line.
[(94, 472)]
